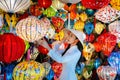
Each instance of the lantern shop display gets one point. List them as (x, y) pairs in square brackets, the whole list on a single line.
[(31, 28), (106, 73), (13, 6), (95, 4), (29, 70), (10, 49)]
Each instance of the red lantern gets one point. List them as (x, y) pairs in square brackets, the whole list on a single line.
[(70, 8), (90, 38), (95, 4), (42, 49), (36, 10), (11, 47), (45, 3)]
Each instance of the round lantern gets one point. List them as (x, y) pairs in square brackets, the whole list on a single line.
[(106, 73), (11, 47), (115, 4), (13, 6), (89, 28), (36, 10), (70, 1), (57, 4), (79, 25), (45, 3), (114, 60), (99, 27), (114, 29), (107, 41), (32, 29), (95, 4), (107, 14), (29, 70)]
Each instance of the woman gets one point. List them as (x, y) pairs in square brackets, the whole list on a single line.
[(68, 57)]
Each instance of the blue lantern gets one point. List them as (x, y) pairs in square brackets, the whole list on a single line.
[(97, 63), (89, 28), (50, 75), (114, 60), (90, 12), (79, 68)]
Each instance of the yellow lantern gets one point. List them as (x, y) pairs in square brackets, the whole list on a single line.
[(99, 27), (32, 29), (115, 4), (88, 51), (83, 16), (29, 70), (59, 36), (79, 25), (57, 4)]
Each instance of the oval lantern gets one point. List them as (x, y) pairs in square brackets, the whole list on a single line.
[(32, 29), (45, 3), (95, 4), (57, 4), (106, 73), (114, 29), (11, 47), (29, 70), (114, 60), (70, 1), (13, 6), (79, 25), (89, 28)]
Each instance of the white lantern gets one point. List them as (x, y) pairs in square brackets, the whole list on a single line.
[(31, 28), (70, 1), (57, 4), (13, 6)]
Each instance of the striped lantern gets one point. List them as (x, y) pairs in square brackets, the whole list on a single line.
[(13, 6), (32, 29), (29, 70), (11, 47)]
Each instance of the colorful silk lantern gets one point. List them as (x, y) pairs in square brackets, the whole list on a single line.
[(95, 4), (107, 41), (79, 68), (106, 73), (50, 33), (115, 4), (88, 51), (107, 14), (45, 3), (86, 74), (114, 60), (70, 8), (58, 23), (57, 68), (50, 75), (70, 1), (79, 25), (97, 63), (59, 36), (47, 67), (99, 27), (42, 50), (83, 16), (29, 70), (50, 12), (114, 29), (11, 47), (36, 10), (80, 7), (13, 6), (89, 12), (1, 21), (89, 28), (32, 29), (57, 4), (90, 38)]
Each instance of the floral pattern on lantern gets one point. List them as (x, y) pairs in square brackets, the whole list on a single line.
[(29, 70), (32, 29), (13, 6)]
